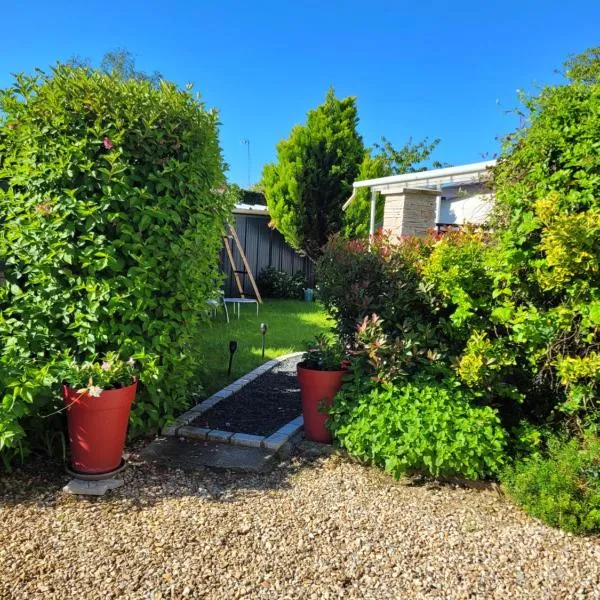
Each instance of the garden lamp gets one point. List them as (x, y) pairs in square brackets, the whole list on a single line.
[(232, 349), (263, 330)]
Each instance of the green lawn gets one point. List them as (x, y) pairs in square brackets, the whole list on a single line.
[(290, 323)]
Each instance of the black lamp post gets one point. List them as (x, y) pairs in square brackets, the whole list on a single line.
[(232, 349), (263, 330)]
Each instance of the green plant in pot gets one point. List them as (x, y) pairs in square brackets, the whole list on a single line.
[(98, 395), (320, 376)]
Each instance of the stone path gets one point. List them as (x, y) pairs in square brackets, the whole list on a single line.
[(192, 456)]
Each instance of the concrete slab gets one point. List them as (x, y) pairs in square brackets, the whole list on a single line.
[(196, 433), (190, 456), (218, 435), (247, 439), (92, 488), (275, 441)]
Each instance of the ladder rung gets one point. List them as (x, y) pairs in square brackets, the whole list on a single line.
[(243, 272)]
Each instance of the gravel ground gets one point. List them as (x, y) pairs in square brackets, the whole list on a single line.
[(316, 527), (262, 406)]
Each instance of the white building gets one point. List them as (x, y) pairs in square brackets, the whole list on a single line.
[(437, 199)]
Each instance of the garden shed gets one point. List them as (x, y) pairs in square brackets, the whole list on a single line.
[(263, 247)]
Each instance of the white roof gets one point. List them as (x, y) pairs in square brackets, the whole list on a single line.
[(251, 209), (462, 174)]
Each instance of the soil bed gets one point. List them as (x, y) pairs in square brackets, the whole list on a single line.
[(260, 407)]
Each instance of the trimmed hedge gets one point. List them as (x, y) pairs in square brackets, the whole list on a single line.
[(109, 232)]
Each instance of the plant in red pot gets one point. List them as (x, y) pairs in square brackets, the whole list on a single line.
[(320, 376), (98, 395)]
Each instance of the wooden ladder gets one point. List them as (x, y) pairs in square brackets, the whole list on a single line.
[(237, 272)]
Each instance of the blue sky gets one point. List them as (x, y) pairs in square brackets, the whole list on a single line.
[(419, 69)]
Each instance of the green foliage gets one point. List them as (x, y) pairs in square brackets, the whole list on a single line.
[(380, 161), (109, 233), (422, 426), (461, 280), (313, 175), (507, 321), (360, 277), (584, 67), (561, 487), (273, 283), (324, 353), (96, 375), (547, 265)]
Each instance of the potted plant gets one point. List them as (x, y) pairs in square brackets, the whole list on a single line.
[(98, 397), (320, 376)]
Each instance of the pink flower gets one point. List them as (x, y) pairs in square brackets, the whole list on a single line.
[(106, 366), (107, 143), (43, 208)]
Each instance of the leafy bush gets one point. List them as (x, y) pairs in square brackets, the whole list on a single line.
[(562, 487), (324, 354), (358, 278), (109, 233), (273, 283), (423, 426), (507, 323), (95, 375)]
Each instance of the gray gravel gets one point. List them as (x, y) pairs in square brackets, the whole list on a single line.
[(321, 527)]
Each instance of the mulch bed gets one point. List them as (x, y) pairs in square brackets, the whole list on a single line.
[(260, 407)]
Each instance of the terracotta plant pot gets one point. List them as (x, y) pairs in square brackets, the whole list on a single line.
[(98, 427), (317, 388)]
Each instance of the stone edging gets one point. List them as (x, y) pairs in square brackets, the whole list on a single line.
[(182, 427)]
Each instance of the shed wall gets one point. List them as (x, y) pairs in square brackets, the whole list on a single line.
[(264, 247)]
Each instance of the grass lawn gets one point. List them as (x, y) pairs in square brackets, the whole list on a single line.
[(290, 323)]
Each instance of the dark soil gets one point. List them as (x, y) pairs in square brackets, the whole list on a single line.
[(260, 407)]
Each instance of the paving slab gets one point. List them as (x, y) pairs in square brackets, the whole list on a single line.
[(92, 488), (190, 456)]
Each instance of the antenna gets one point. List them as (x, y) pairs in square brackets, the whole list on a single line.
[(247, 143)]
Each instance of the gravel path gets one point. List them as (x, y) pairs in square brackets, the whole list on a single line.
[(321, 527)]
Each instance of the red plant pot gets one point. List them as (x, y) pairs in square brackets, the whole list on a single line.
[(317, 388), (97, 428)]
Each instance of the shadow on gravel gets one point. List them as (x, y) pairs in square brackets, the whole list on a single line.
[(39, 481)]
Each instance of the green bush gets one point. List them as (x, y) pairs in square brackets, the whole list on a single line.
[(561, 487), (547, 252), (109, 232), (358, 278), (273, 283), (423, 426)]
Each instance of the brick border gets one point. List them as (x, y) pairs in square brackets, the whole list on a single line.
[(182, 427)]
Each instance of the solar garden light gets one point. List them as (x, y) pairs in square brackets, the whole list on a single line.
[(263, 330), (232, 349)]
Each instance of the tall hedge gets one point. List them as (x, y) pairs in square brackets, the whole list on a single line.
[(110, 215)]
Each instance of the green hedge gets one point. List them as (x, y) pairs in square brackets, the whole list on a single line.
[(110, 219)]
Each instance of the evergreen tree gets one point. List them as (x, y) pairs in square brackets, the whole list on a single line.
[(312, 178)]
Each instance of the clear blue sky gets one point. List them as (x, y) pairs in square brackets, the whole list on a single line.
[(429, 68)]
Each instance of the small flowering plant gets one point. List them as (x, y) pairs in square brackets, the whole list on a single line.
[(96, 375), (325, 353)]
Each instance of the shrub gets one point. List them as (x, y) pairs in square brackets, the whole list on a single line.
[(324, 354), (273, 283), (460, 280), (358, 278), (110, 224), (561, 487), (423, 426)]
